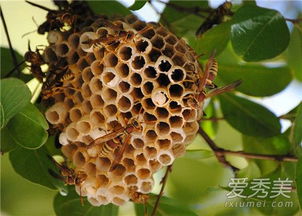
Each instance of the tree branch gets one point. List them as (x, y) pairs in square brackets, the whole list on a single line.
[(13, 54), (220, 153), (163, 182), (217, 150)]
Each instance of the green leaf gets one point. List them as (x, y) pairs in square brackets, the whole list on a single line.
[(277, 145), (210, 126), (297, 127), (299, 180), (108, 7), (7, 65), (215, 39), (28, 128), (249, 117), (167, 207), (179, 19), (7, 142), (257, 80), (258, 33), (15, 95), (71, 205), (138, 4), (33, 165), (198, 154), (295, 53)]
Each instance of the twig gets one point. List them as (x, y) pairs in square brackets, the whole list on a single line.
[(163, 181), (217, 150), (294, 21), (13, 54), (287, 158), (220, 153)]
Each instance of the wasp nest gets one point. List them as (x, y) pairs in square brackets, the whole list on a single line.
[(121, 72)]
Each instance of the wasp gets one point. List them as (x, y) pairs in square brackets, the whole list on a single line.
[(206, 80), (215, 17), (36, 60), (111, 141), (68, 175)]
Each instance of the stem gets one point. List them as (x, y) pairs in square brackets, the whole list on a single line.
[(13, 54), (220, 153), (217, 150), (294, 21), (163, 181)]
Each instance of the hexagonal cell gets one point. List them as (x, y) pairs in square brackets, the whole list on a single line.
[(154, 54), (150, 152), (80, 158), (181, 46), (135, 79), (140, 160), (117, 189), (62, 49), (74, 40), (87, 107), (189, 67), (171, 39), (108, 94), (178, 60), (129, 164), (191, 127), (159, 97), (103, 164), (151, 135), (97, 68), (162, 31), (124, 104), (99, 53), (178, 150), (138, 62), (146, 186), (176, 90), (110, 110), (83, 126), (138, 143), (139, 25), (69, 150), (161, 113), (110, 60), (166, 158), (189, 115), (125, 53), (175, 107), (118, 171), (90, 169), (122, 70), (162, 128), (137, 94), (124, 87), (144, 173), (164, 144), (147, 88), (75, 114), (72, 133), (96, 85), (86, 92), (177, 75), (163, 80), (176, 121), (168, 50), (130, 179), (149, 118), (143, 45), (148, 104), (97, 101), (150, 72), (137, 109), (109, 78), (158, 42), (118, 201), (154, 165), (97, 118), (176, 137), (148, 33), (102, 180)]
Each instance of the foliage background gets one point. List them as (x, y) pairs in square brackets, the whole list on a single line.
[(194, 180)]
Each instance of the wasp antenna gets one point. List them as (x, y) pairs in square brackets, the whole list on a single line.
[(38, 6)]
